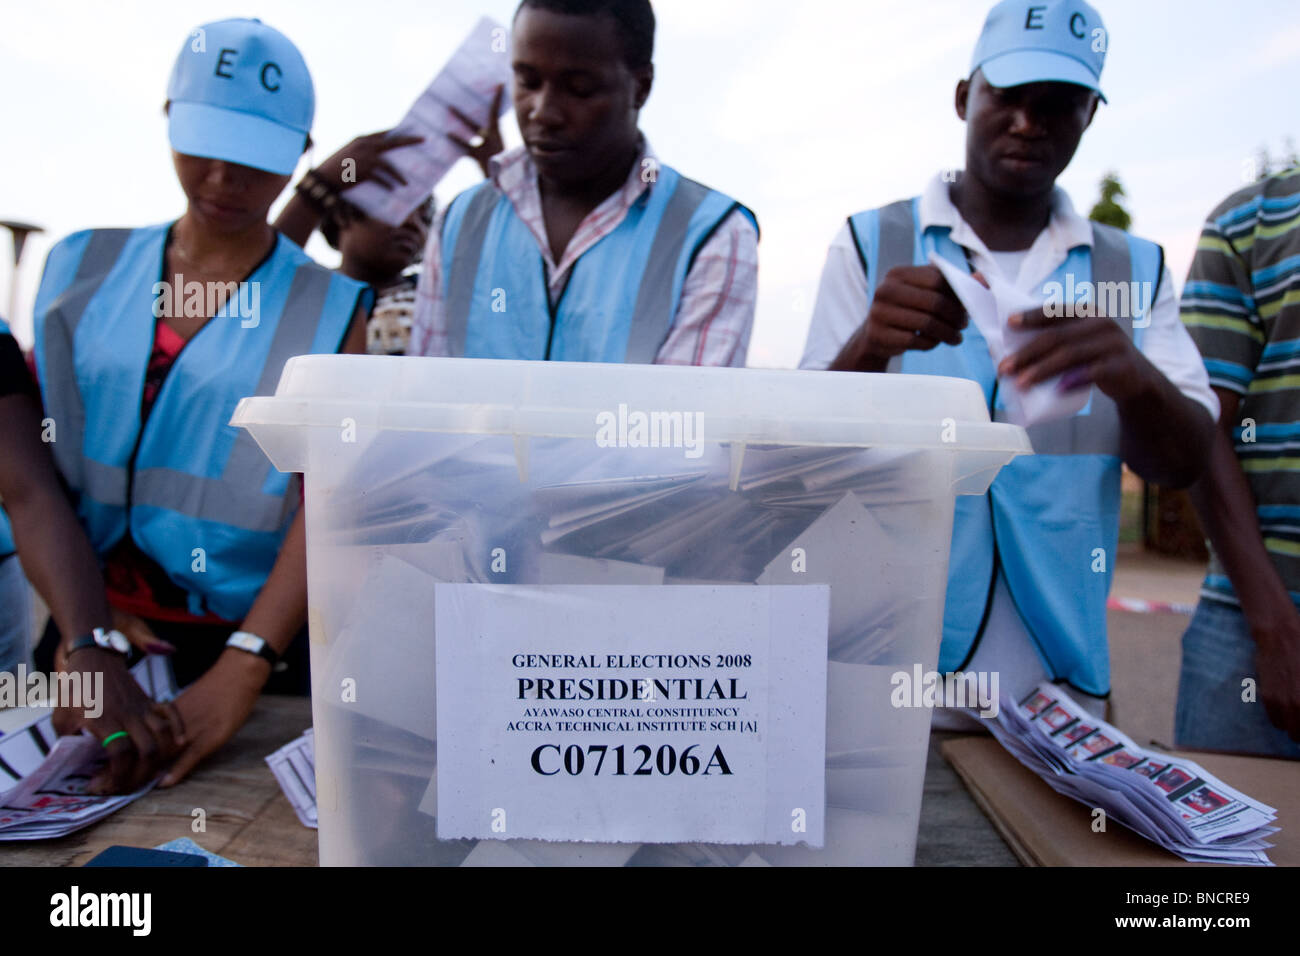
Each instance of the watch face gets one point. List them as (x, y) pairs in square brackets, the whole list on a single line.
[(246, 642), (112, 640)]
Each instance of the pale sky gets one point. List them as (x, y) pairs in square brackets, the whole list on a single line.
[(806, 112)]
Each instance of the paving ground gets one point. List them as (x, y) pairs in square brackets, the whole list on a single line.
[(1145, 649)]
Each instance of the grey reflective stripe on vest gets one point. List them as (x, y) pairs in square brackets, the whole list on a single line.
[(1096, 433), (897, 239), (293, 336), (106, 483), (236, 497), (464, 265), (62, 395), (1111, 264), (654, 313)]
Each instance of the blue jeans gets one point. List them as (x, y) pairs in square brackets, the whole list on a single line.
[(1218, 654), (15, 615)]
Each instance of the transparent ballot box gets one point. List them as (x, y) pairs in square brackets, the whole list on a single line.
[(622, 615)]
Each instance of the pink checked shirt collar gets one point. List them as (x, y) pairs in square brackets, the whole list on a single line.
[(515, 175)]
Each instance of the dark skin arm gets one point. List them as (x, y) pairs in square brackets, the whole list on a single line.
[(1226, 507), (60, 563), (299, 218), (216, 705), (1165, 436)]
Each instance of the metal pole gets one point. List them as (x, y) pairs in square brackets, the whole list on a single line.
[(18, 231)]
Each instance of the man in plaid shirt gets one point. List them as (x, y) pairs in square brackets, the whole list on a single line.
[(583, 246)]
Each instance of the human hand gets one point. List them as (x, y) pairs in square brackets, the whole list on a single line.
[(1083, 349), (1277, 664), (155, 731), (486, 141), (363, 160), (913, 308), (140, 634), (215, 706)]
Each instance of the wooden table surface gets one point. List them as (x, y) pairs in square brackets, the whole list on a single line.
[(1047, 829), (245, 816), (247, 819)]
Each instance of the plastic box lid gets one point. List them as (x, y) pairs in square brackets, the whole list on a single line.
[(738, 406)]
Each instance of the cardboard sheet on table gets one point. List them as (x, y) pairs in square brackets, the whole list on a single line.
[(1044, 828)]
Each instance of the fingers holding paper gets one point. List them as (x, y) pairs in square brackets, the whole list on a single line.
[(486, 140), (1083, 350), (913, 308)]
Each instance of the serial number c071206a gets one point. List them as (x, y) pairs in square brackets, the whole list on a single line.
[(638, 761)]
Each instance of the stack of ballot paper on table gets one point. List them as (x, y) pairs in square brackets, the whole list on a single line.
[(46, 775), (294, 766), (1169, 800)]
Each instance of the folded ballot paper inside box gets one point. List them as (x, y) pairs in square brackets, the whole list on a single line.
[(602, 614)]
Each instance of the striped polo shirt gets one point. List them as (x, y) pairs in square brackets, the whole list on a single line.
[(1242, 307)]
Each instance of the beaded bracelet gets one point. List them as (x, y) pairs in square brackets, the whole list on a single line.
[(318, 193)]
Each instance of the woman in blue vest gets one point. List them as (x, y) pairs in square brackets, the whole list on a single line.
[(145, 341)]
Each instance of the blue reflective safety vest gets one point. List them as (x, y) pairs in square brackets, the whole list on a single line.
[(622, 294), (196, 495), (1050, 520), (6, 532)]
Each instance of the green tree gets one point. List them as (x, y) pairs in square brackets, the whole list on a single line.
[(1292, 157), (1108, 211), (1263, 164)]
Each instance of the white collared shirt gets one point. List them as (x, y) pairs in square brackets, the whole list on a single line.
[(842, 296)]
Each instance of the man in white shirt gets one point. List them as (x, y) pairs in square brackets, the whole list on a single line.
[(1026, 594)]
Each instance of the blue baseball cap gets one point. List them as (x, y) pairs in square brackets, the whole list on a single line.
[(240, 92), (1062, 41)]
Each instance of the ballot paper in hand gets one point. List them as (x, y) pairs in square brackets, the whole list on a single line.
[(45, 776), (468, 84), (989, 309)]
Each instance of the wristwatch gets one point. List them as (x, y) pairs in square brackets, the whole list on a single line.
[(105, 639), (252, 644)]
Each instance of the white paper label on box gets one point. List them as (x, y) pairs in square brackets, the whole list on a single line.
[(632, 713)]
